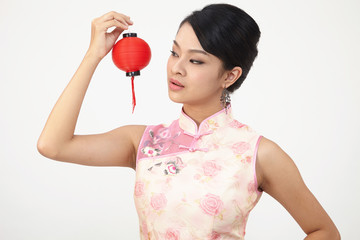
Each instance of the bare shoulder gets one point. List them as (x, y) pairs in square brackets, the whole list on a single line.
[(135, 132), (271, 161), (278, 176), (117, 147)]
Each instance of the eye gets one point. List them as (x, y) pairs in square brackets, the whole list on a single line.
[(196, 61), (174, 54)]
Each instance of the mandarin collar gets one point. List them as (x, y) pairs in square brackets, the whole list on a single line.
[(208, 125)]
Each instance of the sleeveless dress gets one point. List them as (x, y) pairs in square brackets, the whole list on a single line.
[(196, 183)]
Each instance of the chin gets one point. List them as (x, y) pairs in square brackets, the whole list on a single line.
[(174, 99)]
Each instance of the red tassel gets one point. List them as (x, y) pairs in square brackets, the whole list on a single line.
[(133, 94)]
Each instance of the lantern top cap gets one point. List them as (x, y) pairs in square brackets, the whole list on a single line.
[(129, 35)]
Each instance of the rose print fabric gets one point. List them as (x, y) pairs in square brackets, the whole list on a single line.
[(196, 183)]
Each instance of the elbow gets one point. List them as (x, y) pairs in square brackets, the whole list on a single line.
[(47, 149), (334, 236), (326, 233), (337, 235)]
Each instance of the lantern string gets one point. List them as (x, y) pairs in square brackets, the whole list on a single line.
[(133, 94)]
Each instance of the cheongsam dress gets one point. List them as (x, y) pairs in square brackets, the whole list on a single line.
[(196, 182)]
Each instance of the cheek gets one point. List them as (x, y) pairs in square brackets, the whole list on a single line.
[(168, 65), (206, 77)]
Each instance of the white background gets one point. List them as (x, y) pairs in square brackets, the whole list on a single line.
[(303, 93)]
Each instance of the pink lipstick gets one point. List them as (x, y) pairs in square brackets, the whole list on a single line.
[(175, 85)]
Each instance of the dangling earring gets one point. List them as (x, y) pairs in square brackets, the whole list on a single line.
[(225, 99)]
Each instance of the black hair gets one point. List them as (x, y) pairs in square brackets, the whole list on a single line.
[(228, 33)]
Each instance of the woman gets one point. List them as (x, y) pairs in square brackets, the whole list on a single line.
[(200, 176)]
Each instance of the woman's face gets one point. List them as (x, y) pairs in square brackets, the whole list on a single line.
[(198, 73)]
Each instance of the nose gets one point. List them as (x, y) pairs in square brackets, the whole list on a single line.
[(177, 66)]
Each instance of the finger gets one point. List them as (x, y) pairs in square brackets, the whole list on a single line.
[(126, 21), (116, 32), (116, 23), (108, 16), (118, 16), (121, 17)]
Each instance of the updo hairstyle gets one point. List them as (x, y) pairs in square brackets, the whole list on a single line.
[(230, 34)]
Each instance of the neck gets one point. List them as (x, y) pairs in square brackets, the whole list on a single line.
[(200, 113)]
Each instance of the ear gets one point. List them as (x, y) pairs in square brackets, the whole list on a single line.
[(232, 76)]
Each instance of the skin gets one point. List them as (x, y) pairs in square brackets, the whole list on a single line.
[(58, 141), (201, 74), (203, 78)]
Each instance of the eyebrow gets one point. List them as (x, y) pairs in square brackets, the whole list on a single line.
[(192, 50)]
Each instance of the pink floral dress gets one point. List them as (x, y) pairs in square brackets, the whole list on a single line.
[(196, 183)]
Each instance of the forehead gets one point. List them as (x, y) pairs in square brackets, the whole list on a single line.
[(186, 37)]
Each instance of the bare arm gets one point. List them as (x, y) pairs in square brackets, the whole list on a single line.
[(57, 140), (280, 178)]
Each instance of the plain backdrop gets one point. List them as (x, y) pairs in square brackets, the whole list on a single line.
[(302, 93)]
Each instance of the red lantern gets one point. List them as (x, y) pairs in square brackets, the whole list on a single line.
[(131, 54)]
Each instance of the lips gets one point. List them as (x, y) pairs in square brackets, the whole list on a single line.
[(175, 85), (175, 82)]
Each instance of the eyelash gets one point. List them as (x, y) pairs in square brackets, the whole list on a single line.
[(174, 54), (196, 61)]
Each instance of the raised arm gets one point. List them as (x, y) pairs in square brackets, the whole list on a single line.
[(279, 177), (57, 140)]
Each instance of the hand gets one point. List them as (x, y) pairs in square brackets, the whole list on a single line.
[(101, 41)]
